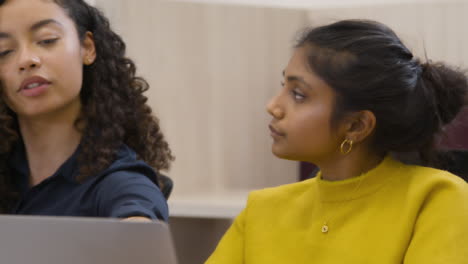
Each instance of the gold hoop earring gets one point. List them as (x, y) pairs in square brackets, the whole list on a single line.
[(346, 146), (88, 61)]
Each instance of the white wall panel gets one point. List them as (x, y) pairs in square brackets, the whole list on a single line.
[(212, 70)]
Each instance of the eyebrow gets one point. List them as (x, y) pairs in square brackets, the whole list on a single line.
[(296, 79), (43, 23), (34, 27)]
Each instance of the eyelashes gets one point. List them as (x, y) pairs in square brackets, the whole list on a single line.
[(299, 97), (47, 42), (4, 53), (296, 94)]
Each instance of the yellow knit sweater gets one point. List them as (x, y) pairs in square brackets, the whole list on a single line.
[(397, 214)]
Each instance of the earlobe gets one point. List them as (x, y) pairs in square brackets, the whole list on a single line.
[(89, 49)]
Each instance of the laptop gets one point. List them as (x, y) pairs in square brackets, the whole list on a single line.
[(68, 240)]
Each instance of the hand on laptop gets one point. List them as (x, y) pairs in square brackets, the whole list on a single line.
[(137, 219)]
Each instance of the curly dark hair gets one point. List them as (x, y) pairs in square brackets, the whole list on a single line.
[(114, 111)]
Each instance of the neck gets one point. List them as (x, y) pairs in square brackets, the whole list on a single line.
[(49, 141), (348, 166)]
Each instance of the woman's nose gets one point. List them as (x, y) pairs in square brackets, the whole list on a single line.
[(28, 60), (274, 108)]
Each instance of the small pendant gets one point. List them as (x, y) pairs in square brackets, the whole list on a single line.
[(325, 229)]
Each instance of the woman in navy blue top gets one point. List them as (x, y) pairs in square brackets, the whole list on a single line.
[(77, 137)]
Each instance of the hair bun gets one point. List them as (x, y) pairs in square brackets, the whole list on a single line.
[(448, 87)]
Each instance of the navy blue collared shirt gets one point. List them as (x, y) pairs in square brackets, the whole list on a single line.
[(122, 190)]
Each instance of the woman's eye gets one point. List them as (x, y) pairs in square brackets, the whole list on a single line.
[(298, 96), (4, 53), (48, 41)]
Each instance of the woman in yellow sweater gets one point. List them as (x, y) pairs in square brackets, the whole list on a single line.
[(352, 95)]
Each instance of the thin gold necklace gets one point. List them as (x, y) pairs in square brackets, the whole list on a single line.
[(326, 224)]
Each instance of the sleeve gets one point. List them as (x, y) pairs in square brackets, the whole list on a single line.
[(125, 194), (230, 249), (441, 231)]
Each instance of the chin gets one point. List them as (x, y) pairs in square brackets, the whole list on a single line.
[(30, 113), (284, 154)]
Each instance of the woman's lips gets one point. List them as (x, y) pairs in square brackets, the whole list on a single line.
[(35, 91), (34, 86), (33, 82), (275, 133)]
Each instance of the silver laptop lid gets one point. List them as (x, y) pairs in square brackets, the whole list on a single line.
[(64, 240)]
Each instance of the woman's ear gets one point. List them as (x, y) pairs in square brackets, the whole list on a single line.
[(360, 125), (89, 49)]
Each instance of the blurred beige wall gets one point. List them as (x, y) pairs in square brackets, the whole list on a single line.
[(212, 70)]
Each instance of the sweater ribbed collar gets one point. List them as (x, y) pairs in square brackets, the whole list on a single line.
[(357, 187)]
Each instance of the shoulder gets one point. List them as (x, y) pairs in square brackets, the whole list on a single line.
[(439, 202), (127, 170), (430, 180), (434, 190), (127, 161), (128, 185)]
